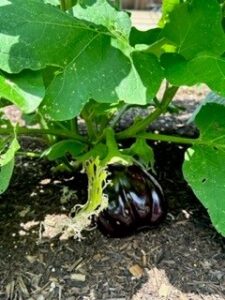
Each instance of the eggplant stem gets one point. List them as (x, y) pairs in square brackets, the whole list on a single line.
[(142, 124)]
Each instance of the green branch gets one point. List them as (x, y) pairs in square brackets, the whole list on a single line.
[(179, 140), (171, 138), (29, 154), (65, 4), (142, 124), (36, 131)]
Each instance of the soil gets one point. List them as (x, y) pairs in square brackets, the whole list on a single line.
[(184, 258)]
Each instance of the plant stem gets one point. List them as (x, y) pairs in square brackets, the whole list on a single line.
[(73, 125), (118, 4), (62, 5), (36, 131), (66, 5), (91, 130), (29, 154), (178, 139), (119, 115), (169, 138), (142, 124), (44, 125)]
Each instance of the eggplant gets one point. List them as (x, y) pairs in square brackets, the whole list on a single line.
[(136, 202)]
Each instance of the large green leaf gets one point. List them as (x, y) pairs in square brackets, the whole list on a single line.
[(96, 59), (204, 166), (34, 35), (114, 75), (106, 79), (63, 148), (5, 175), (7, 156), (147, 37), (211, 97), (149, 71), (102, 13), (26, 90), (195, 26), (177, 70), (91, 75), (7, 153), (195, 29), (167, 7), (204, 68)]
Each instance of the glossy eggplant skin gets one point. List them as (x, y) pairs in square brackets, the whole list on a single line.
[(136, 202)]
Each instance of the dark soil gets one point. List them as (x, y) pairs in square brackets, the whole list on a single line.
[(183, 259)]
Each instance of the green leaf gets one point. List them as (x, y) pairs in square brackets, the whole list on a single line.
[(100, 12), (37, 35), (97, 110), (144, 152), (204, 68), (8, 155), (48, 36), (167, 7), (214, 71), (176, 69), (95, 61), (98, 151), (101, 113), (195, 26), (106, 78), (62, 148), (26, 90), (144, 37), (149, 71), (210, 98), (204, 166), (211, 123), (114, 155), (5, 175)]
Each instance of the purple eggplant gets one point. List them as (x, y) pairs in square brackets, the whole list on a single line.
[(136, 202)]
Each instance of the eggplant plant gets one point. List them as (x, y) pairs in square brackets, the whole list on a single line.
[(67, 63)]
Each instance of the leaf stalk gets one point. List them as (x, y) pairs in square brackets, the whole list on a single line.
[(169, 138), (142, 124), (37, 131), (179, 140)]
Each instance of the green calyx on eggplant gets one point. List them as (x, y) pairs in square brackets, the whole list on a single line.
[(136, 202)]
